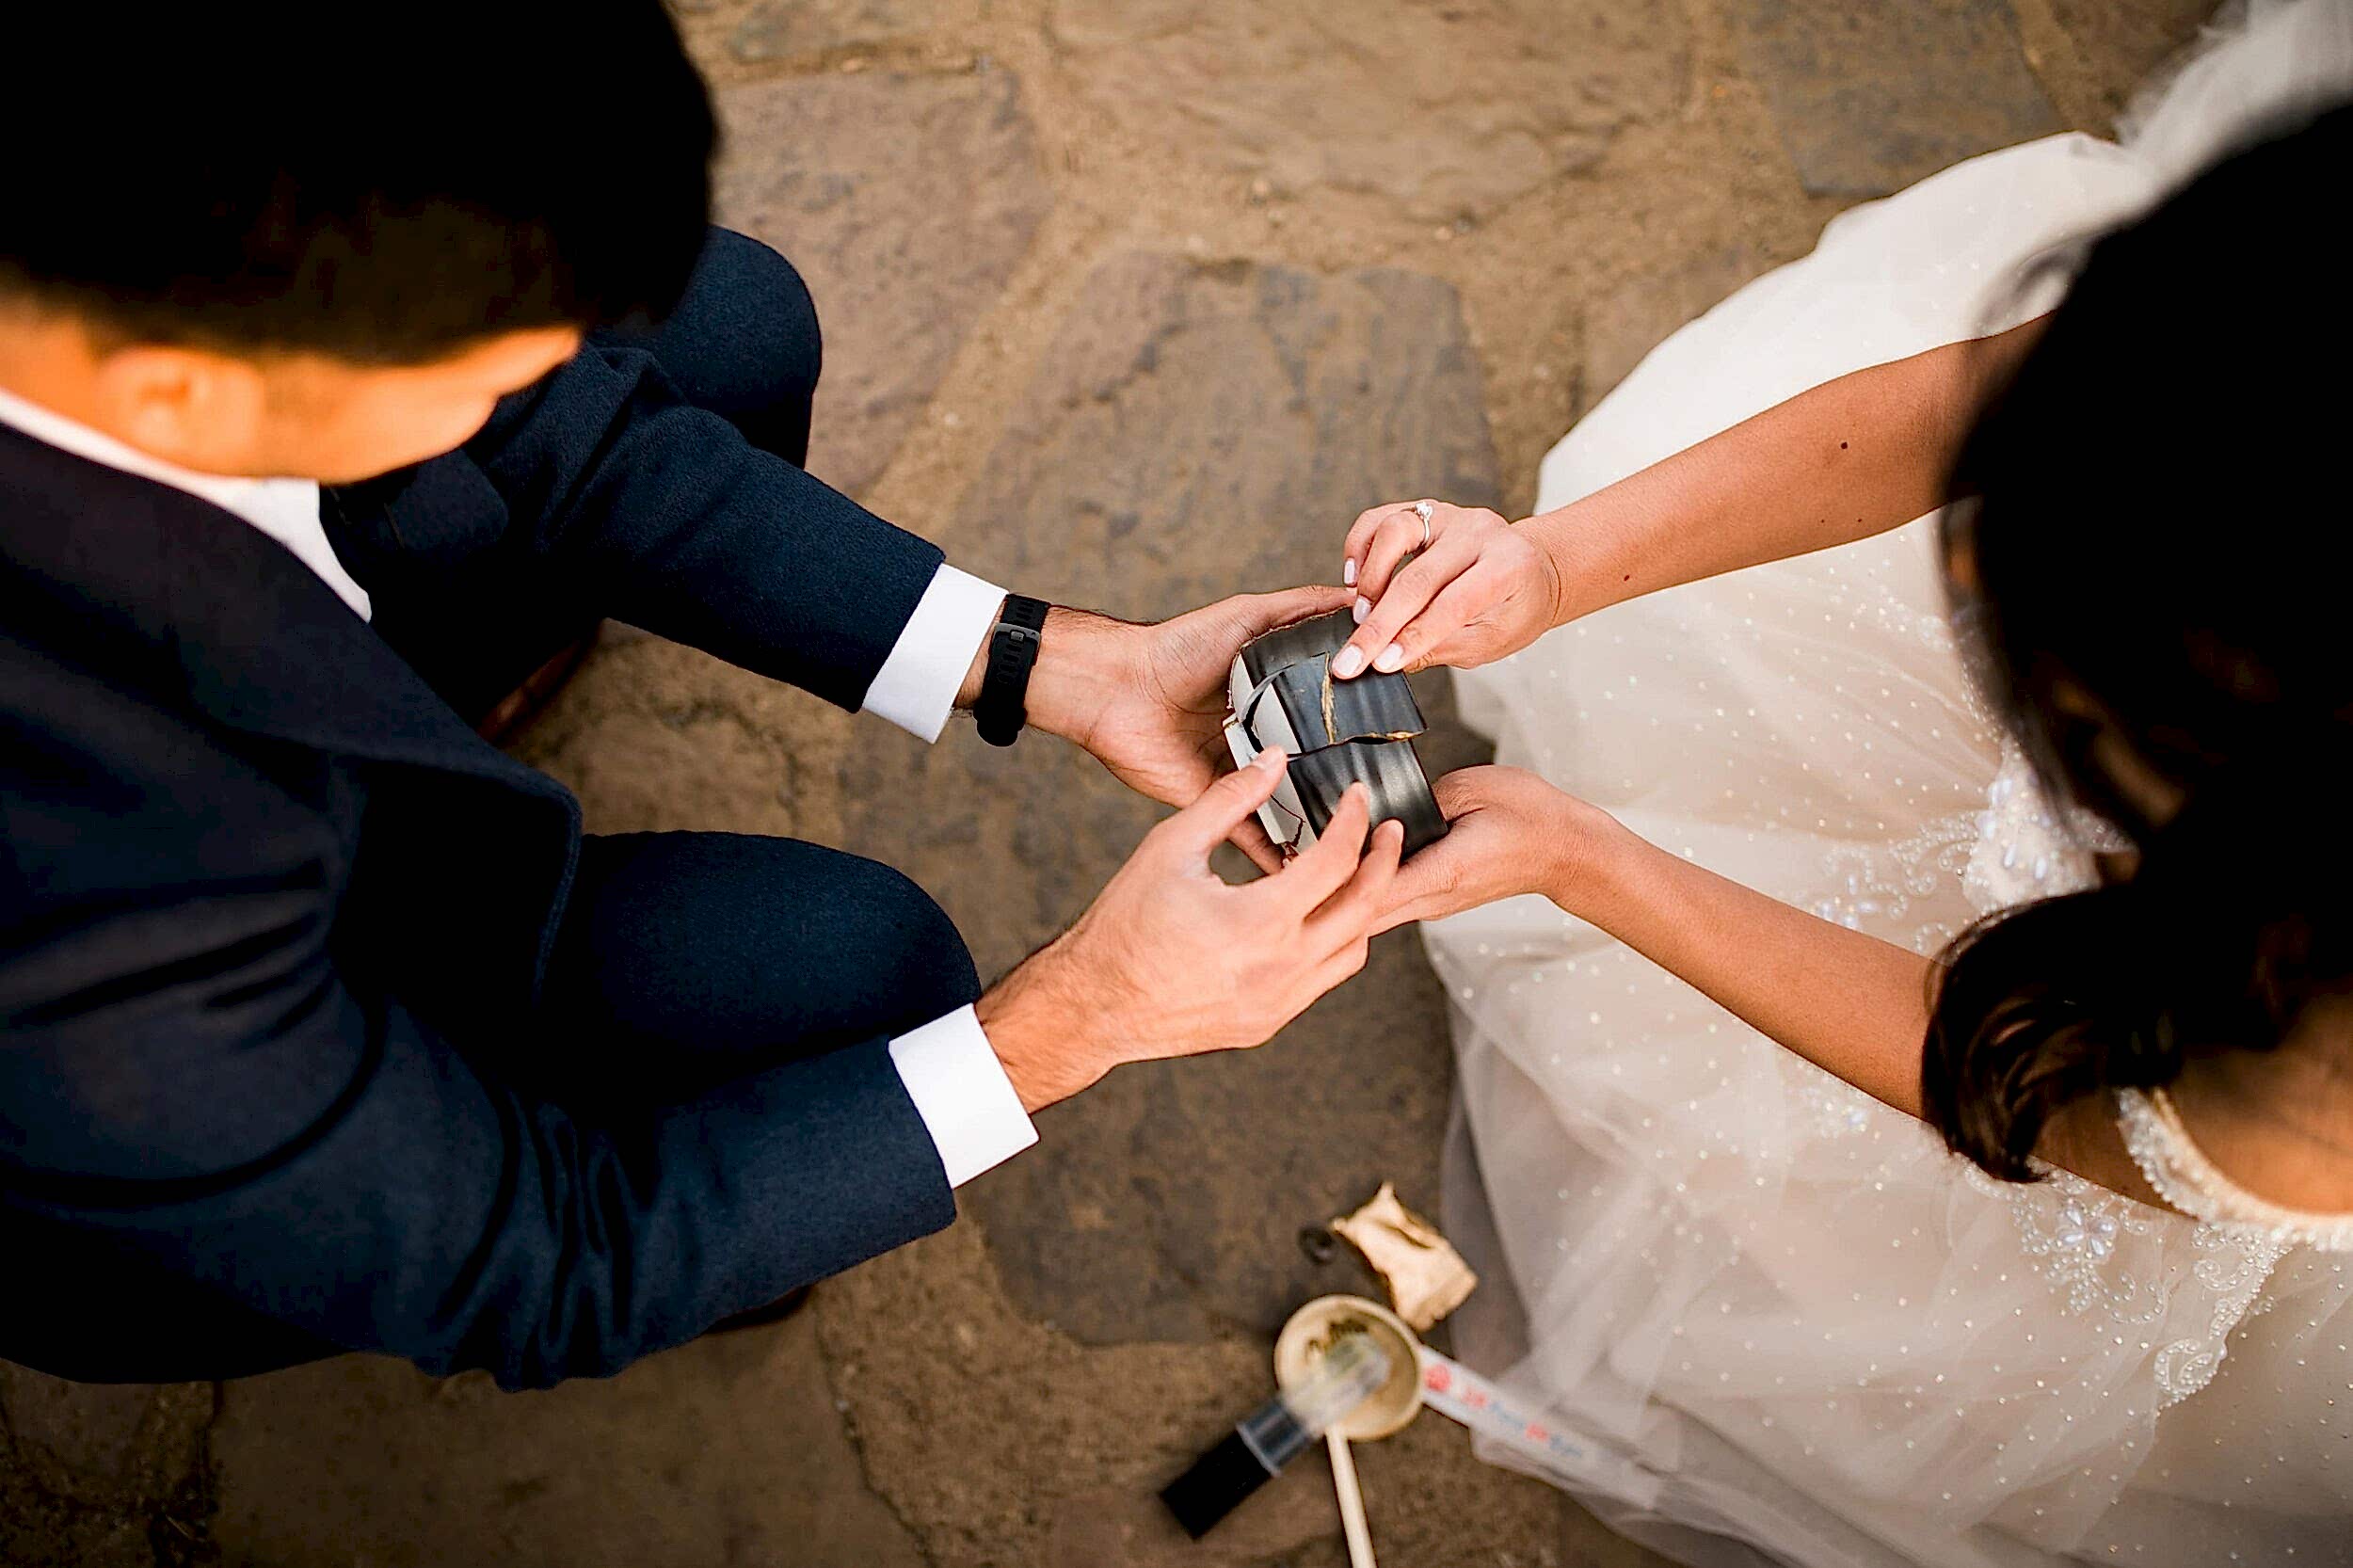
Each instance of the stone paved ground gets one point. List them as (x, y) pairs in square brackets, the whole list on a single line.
[(1132, 303)]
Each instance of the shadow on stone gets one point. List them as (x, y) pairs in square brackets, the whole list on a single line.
[(103, 1475)]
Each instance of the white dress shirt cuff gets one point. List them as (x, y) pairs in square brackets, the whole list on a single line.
[(960, 1088), (916, 688)]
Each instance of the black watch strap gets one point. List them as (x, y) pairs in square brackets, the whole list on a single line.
[(1002, 707)]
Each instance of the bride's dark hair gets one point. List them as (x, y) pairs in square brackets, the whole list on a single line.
[(2154, 572)]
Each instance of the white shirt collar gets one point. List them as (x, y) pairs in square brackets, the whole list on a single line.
[(286, 509)]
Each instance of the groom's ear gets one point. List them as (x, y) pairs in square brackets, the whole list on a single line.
[(199, 407)]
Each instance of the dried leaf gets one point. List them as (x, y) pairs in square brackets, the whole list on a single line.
[(1424, 1276)]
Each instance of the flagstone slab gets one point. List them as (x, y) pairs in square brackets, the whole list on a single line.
[(2128, 43), (907, 201), (1447, 111), (728, 1451), (102, 1475), (1644, 311), (786, 29), (1872, 95)]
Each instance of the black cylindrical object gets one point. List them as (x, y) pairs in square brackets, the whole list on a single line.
[(1274, 1434), (1338, 732)]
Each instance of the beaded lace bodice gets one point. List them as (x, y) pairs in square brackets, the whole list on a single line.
[(2183, 1176), (2027, 849)]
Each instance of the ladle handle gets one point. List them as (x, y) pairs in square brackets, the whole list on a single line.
[(1351, 1502)]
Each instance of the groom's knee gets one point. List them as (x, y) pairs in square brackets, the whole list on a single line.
[(764, 347), (742, 343), (915, 964), (769, 944)]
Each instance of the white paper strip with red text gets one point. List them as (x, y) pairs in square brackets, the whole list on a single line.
[(1456, 1392)]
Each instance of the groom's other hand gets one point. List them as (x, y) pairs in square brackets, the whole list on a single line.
[(1149, 701), (1170, 961)]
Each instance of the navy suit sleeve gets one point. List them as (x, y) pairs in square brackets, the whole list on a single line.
[(190, 1065), (663, 515), (420, 1206)]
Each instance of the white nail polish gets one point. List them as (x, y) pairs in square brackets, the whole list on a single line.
[(1363, 608), (1392, 659), (1347, 574), (1350, 660)]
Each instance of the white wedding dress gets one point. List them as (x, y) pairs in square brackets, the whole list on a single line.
[(1817, 1338)]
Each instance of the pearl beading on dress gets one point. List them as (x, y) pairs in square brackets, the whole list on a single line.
[(2185, 1177)]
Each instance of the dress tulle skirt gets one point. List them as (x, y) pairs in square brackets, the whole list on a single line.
[(1818, 1339)]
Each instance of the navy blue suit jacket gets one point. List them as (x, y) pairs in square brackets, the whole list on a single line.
[(267, 906)]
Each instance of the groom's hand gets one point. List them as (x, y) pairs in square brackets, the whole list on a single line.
[(1149, 701), (1170, 961)]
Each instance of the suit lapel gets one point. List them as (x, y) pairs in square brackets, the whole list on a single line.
[(138, 575)]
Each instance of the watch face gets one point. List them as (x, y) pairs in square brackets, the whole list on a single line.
[(1338, 732)]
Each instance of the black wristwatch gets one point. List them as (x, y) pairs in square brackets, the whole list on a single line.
[(1002, 707)]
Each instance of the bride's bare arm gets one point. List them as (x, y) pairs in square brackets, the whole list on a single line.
[(1852, 1005), (1848, 1003), (1850, 458)]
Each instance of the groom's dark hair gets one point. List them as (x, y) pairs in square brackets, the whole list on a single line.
[(382, 184), (2156, 569)]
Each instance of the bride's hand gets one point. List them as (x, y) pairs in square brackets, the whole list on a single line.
[(1482, 589), (1508, 832)]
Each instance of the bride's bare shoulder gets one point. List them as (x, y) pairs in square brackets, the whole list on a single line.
[(2084, 1138), (2258, 1135)]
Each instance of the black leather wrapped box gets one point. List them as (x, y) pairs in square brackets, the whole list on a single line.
[(1337, 732)]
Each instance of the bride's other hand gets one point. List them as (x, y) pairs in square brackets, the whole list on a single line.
[(1482, 589), (1848, 1003), (1852, 458), (1509, 833)]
